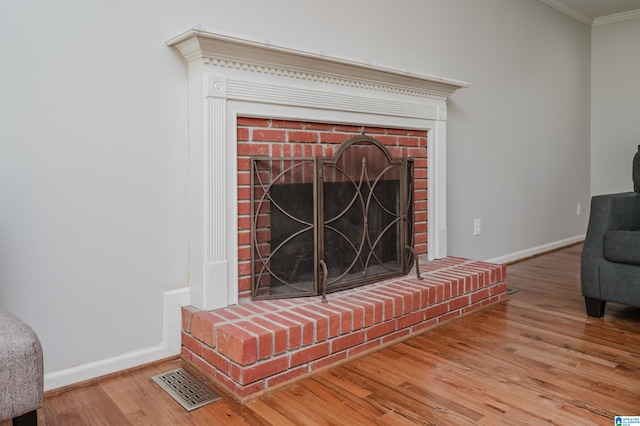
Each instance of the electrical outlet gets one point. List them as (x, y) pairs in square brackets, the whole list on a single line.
[(476, 226), (578, 209)]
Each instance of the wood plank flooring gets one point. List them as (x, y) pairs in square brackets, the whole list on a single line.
[(536, 359)]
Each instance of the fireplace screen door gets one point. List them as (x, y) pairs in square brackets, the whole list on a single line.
[(323, 224)]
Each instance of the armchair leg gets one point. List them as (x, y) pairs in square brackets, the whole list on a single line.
[(28, 419), (595, 307)]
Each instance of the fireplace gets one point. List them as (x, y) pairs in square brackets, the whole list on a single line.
[(314, 178), (232, 77), (324, 224)]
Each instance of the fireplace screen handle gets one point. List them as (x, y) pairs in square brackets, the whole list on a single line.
[(415, 256), (323, 281)]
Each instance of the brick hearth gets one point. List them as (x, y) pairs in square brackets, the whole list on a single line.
[(258, 346)]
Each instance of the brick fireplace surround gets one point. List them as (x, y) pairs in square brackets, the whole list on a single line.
[(249, 97), (298, 139), (254, 347)]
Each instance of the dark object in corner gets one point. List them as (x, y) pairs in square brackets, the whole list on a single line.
[(636, 171), (610, 264)]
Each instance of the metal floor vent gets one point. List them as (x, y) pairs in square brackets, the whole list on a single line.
[(186, 389), (511, 290)]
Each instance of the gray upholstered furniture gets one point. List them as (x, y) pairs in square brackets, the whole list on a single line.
[(21, 371), (610, 267)]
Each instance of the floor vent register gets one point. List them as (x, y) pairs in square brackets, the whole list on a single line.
[(186, 389)]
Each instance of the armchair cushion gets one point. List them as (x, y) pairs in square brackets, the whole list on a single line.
[(622, 247)]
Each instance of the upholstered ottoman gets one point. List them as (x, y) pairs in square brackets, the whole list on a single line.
[(21, 371)]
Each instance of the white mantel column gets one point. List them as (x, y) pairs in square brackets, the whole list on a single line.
[(209, 175), (437, 186)]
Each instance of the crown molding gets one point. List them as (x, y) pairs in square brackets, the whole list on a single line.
[(569, 11), (618, 17)]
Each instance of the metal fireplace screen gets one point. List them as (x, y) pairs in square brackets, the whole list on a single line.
[(321, 224)]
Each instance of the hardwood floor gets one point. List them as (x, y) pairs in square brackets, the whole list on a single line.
[(536, 359)]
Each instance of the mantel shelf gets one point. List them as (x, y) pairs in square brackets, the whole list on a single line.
[(198, 42)]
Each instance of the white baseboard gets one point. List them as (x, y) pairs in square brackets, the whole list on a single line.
[(523, 254), (91, 370), (173, 301)]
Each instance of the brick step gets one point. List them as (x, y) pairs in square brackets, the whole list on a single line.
[(255, 346)]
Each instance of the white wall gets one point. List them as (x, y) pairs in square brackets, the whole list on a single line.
[(521, 161), (615, 112), (93, 142), (92, 175)]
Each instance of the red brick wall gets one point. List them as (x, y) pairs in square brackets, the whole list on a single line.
[(285, 138)]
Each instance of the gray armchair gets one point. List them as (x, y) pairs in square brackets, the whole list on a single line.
[(21, 371), (610, 265)]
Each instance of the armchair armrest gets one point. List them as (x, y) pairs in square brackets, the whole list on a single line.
[(608, 212)]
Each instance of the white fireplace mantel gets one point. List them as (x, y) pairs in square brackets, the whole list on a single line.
[(231, 76)]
